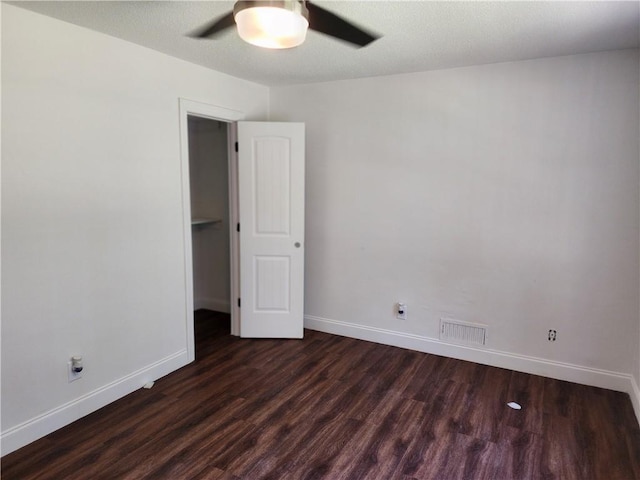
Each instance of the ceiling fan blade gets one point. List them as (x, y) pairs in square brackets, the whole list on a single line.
[(323, 21), (213, 28)]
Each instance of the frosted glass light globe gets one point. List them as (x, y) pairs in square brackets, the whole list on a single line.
[(271, 27)]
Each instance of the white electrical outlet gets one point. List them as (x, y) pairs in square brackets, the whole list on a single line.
[(401, 311), (73, 375)]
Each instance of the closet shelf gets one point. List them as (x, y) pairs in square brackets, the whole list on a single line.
[(205, 221)]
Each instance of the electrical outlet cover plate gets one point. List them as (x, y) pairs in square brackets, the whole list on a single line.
[(401, 311), (73, 376)]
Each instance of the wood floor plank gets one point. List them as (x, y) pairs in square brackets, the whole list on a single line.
[(519, 454), (528, 392), (330, 407)]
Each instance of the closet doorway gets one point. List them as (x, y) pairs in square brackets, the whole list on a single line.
[(209, 187)]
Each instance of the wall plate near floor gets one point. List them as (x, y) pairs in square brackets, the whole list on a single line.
[(401, 311), (73, 375)]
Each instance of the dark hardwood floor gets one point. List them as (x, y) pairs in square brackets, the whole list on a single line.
[(338, 408)]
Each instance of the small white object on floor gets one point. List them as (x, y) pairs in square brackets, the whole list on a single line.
[(148, 385), (514, 405)]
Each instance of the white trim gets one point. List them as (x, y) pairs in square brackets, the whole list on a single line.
[(215, 304), (37, 427), (234, 235), (204, 110), (522, 363), (635, 397)]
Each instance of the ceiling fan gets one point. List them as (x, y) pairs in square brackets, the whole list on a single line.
[(283, 24)]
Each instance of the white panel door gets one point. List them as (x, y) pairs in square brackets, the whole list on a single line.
[(271, 197)]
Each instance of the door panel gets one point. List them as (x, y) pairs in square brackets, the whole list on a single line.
[(271, 193), (271, 167), (272, 283)]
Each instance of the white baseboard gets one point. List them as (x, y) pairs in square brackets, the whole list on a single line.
[(538, 366), (35, 428), (215, 304)]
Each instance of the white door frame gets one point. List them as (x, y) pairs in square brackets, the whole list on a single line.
[(205, 110)]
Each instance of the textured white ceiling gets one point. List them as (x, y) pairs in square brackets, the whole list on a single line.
[(417, 35)]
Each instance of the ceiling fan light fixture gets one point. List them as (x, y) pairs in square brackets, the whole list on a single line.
[(270, 23)]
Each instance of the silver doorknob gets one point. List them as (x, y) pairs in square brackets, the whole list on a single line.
[(297, 244)]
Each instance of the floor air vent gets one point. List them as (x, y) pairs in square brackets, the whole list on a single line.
[(455, 331)]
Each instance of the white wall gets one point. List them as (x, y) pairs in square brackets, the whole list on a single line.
[(504, 194), (209, 176), (92, 247)]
